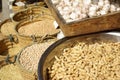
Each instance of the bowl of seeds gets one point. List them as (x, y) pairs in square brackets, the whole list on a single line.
[(36, 29), (28, 57), (88, 57)]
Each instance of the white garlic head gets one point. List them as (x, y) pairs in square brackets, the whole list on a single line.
[(106, 7), (55, 1), (100, 4), (92, 14), (72, 10), (73, 15), (103, 12), (93, 8), (113, 8), (118, 9), (87, 2)]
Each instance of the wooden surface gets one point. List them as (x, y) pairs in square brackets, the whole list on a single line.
[(88, 25)]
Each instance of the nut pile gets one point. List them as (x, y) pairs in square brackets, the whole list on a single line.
[(72, 10), (98, 61), (30, 56)]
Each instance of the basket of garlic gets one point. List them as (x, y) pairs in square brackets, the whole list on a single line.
[(76, 17)]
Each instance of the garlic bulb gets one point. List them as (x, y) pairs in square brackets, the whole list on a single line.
[(61, 12), (113, 8), (92, 14), (98, 13), (84, 15), (93, 8), (73, 15), (59, 8), (77, 11), (84, 10), (75, 4), (103, 12), (72, 10), (106, 7), (55, 1), (101, 4), (66, 17), (107, 2), (66, 8), (87, 2), (67, 2), (118, 9)]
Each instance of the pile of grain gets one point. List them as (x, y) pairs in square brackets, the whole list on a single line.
[(98, 61), (30, 56), (39, 28), (10, 72), (8, 28)]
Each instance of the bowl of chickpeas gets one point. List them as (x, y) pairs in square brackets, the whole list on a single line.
[(88, 57)]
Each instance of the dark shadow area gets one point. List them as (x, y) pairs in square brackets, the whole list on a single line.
[(0, 5)]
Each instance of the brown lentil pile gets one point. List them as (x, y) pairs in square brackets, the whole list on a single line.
[(30, 56), (98, 61), (39, 28)]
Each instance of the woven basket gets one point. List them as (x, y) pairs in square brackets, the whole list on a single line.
[(5, 44), (7, 20), (26, 74), (33, 38), (35, 11)]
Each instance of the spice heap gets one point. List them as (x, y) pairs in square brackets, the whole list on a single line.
[(39, 28), (72, 10), (30, 56), (98, 61)]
